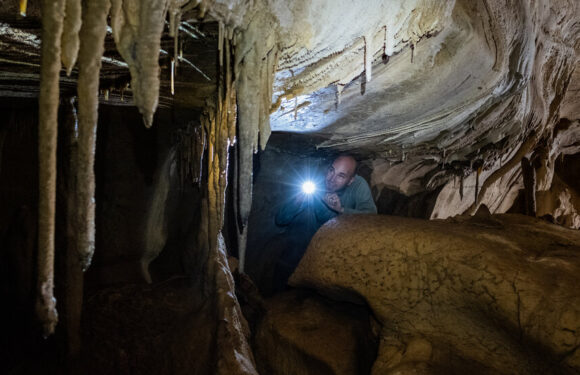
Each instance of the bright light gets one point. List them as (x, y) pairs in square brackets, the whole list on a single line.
[(308, 187)]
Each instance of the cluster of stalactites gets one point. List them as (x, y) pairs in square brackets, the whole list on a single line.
[(76, 30), (73, 30), (256, 60)]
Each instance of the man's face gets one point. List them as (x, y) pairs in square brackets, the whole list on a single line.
[(340, 174)]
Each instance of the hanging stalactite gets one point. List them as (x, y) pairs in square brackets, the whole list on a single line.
[(92, 35), (255, 64), (137, 28), (70, 35), (52, 25), (524, 148)]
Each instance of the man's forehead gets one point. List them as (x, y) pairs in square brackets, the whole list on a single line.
[(345, 163)]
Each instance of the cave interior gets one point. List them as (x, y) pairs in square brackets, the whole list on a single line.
[(146, 146)]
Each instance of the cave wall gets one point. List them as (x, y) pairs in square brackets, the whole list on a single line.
[(18, 226), (143, 205)]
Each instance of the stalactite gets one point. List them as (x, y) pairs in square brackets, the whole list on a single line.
[(137, 28), (368, 63), (231, 92), (477, 174), (384, 56), (254, 49), (221, 43), (70, 34), (73, 274), (23, 6), (247, 138), (172, 76), (339, 89), (522, 151), (254, 108), (52, 24), (174, 22), (92, 35), (461, 187), (268, 70)]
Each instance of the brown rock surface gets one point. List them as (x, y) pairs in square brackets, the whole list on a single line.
[(305, 333), (499, 292), (148, 329)]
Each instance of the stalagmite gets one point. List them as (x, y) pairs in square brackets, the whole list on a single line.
[(52, 18), (70, 34), (92, 35), (137, 28)]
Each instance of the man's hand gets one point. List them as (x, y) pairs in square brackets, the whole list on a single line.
[(333, 202)]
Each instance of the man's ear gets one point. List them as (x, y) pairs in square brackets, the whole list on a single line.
[(351, 180)]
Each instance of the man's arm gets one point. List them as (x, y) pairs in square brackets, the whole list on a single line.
[(289, 210)]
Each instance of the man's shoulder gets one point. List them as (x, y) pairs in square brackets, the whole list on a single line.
[(359, 181), (358, 186)]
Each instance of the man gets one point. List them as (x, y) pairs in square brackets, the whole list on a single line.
[(345, 193)]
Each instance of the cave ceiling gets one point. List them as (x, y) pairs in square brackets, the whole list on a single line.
[(456, 80), (440, 81)]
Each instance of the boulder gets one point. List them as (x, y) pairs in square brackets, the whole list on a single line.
[(496, 293)]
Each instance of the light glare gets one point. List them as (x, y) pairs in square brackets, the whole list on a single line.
[(308, 187)]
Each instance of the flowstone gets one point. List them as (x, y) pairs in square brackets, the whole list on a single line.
[(495, 293)]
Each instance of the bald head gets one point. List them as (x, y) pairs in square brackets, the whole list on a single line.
[(341, 173)]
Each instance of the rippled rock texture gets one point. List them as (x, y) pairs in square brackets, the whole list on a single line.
[(497, 292)]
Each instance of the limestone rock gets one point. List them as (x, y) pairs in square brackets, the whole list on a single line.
[(304, 333), (499, 292)]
